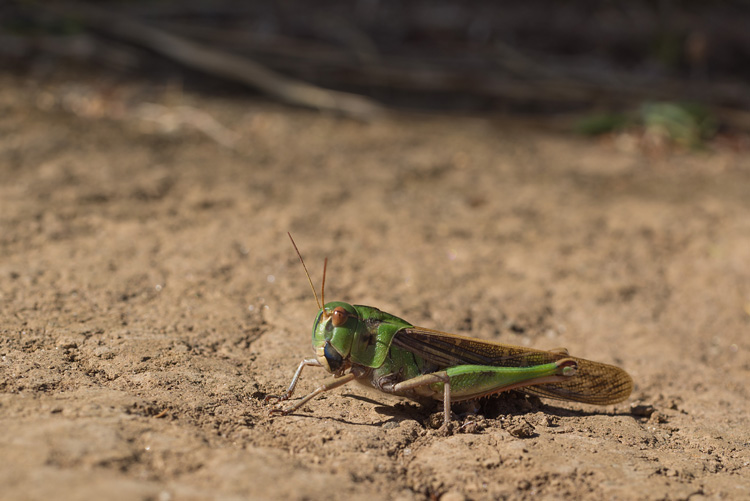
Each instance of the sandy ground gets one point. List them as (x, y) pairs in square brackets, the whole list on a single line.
[(151, 300)]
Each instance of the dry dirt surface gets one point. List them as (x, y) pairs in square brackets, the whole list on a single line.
[(151, 300)]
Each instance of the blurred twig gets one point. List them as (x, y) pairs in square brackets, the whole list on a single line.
[(222, 64)]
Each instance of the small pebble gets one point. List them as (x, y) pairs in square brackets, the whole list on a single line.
[(521, 430), (642, 410)]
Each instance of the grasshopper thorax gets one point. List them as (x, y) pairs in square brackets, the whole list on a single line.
[(333, 333)]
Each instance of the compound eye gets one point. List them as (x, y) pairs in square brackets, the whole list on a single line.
[(340, 316)]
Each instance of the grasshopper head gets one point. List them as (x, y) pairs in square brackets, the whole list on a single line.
[(333, 333)]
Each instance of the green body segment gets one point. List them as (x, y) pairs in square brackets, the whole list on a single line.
[(373, 339), (402, 365)]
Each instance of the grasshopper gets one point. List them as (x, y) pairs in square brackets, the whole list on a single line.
[(362, 343)]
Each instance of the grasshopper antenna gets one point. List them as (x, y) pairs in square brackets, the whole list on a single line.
[(323, 286), (307, 273)]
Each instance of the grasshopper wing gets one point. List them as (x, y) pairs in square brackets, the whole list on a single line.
[(593, 383)]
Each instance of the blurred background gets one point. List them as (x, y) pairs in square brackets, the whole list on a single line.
[(675, 70)]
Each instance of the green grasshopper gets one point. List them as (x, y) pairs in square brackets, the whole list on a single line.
[(365, 344)]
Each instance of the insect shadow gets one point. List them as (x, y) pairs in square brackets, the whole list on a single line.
[(400, 411), (493, 407)]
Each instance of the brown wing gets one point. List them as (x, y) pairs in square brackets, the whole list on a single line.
[(593, 383)]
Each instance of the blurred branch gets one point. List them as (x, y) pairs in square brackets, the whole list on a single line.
[(221, 64)]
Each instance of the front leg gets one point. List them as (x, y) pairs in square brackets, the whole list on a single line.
[(288, 393), (335, 383)]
